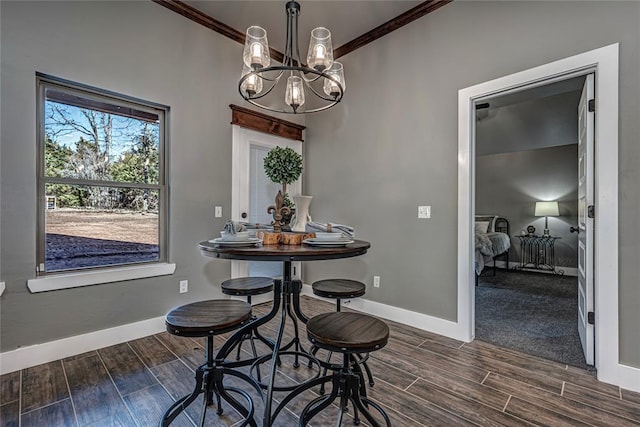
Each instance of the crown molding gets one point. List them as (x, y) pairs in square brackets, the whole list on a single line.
[(399, 21), (213, 24), (382, 30)]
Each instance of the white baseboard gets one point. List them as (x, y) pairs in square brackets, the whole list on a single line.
[(400, 315), (627, 377), (33, 355)]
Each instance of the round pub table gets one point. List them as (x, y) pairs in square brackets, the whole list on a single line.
[(286, 297)]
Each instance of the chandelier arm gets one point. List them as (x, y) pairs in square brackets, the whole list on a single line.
[(267, 70), (297, 47), (312, 79), (283, 69), (275, 110), (324, 97), (287, 46), (291, 16)]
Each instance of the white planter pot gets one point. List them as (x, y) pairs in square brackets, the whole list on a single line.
[(300, 218)]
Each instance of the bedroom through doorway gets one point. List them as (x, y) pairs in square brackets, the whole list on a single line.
[(526, 152)]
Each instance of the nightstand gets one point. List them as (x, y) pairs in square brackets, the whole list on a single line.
[(538, 253)]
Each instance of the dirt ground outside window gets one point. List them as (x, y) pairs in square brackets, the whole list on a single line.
[(121, 226), (85, 238)]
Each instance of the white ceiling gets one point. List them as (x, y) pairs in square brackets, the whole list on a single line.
[(345, 19)]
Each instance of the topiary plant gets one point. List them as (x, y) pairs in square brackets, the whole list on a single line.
[(283, 166)]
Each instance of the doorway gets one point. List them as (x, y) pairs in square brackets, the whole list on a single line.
[(526, 155), (604, 62)]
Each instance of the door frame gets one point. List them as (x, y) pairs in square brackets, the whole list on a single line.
[(604, 62)]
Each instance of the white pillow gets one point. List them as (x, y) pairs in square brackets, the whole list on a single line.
[(491, 219), (482, 227)]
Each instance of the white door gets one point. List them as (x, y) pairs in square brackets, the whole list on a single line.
[(253, 192), (585, 220)]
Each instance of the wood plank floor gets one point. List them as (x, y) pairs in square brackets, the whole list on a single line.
[(422, 379)]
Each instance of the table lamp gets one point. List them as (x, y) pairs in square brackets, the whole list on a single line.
[(546, 209)]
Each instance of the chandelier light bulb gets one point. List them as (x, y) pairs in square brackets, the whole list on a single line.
[(256, 54), (294, 95), (331, 87), (256, 48), (252, 85), (320, 54)]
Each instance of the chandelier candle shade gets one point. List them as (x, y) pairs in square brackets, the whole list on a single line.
[(546, 209), (321, 78)]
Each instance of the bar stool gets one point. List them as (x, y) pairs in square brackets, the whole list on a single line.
[(248, 287), (348, 334), (340, 289), (208, 319)]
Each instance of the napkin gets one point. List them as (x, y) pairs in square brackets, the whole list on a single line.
[(346, 230), (233, 227)]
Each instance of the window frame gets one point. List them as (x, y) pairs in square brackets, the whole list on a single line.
[(100, 274)]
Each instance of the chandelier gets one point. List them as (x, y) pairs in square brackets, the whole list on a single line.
[(321, 77)]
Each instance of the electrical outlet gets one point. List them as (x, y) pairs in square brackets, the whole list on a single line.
[(424, 211), (376, 281), (184, 286), (218, 212)]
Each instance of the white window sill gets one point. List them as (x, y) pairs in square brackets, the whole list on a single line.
[(87, 278)]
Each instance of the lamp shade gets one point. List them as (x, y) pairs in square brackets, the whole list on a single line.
[(547, 209)]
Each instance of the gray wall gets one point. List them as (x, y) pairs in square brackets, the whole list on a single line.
[(392, 144), (509, 184), (140, 49)]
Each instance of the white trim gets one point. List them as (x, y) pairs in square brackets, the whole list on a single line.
[(33, 355), (96, 277), (400, 315), (628, 378), (604, 61)]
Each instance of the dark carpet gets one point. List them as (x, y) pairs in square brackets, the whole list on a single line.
[(531, 312)]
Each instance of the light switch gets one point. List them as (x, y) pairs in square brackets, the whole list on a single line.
[(424, 211)]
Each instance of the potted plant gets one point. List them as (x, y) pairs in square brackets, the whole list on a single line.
[(283, 166)]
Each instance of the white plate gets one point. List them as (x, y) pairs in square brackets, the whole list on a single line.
[(251, 241), (328, 243)]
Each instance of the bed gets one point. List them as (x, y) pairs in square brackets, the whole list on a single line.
[(492, 241)]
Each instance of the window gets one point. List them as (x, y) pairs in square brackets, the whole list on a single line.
[(102, 197)]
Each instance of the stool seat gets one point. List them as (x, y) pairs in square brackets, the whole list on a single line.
[(347, 332), (247, 286), (339, 288), (204, 318)]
